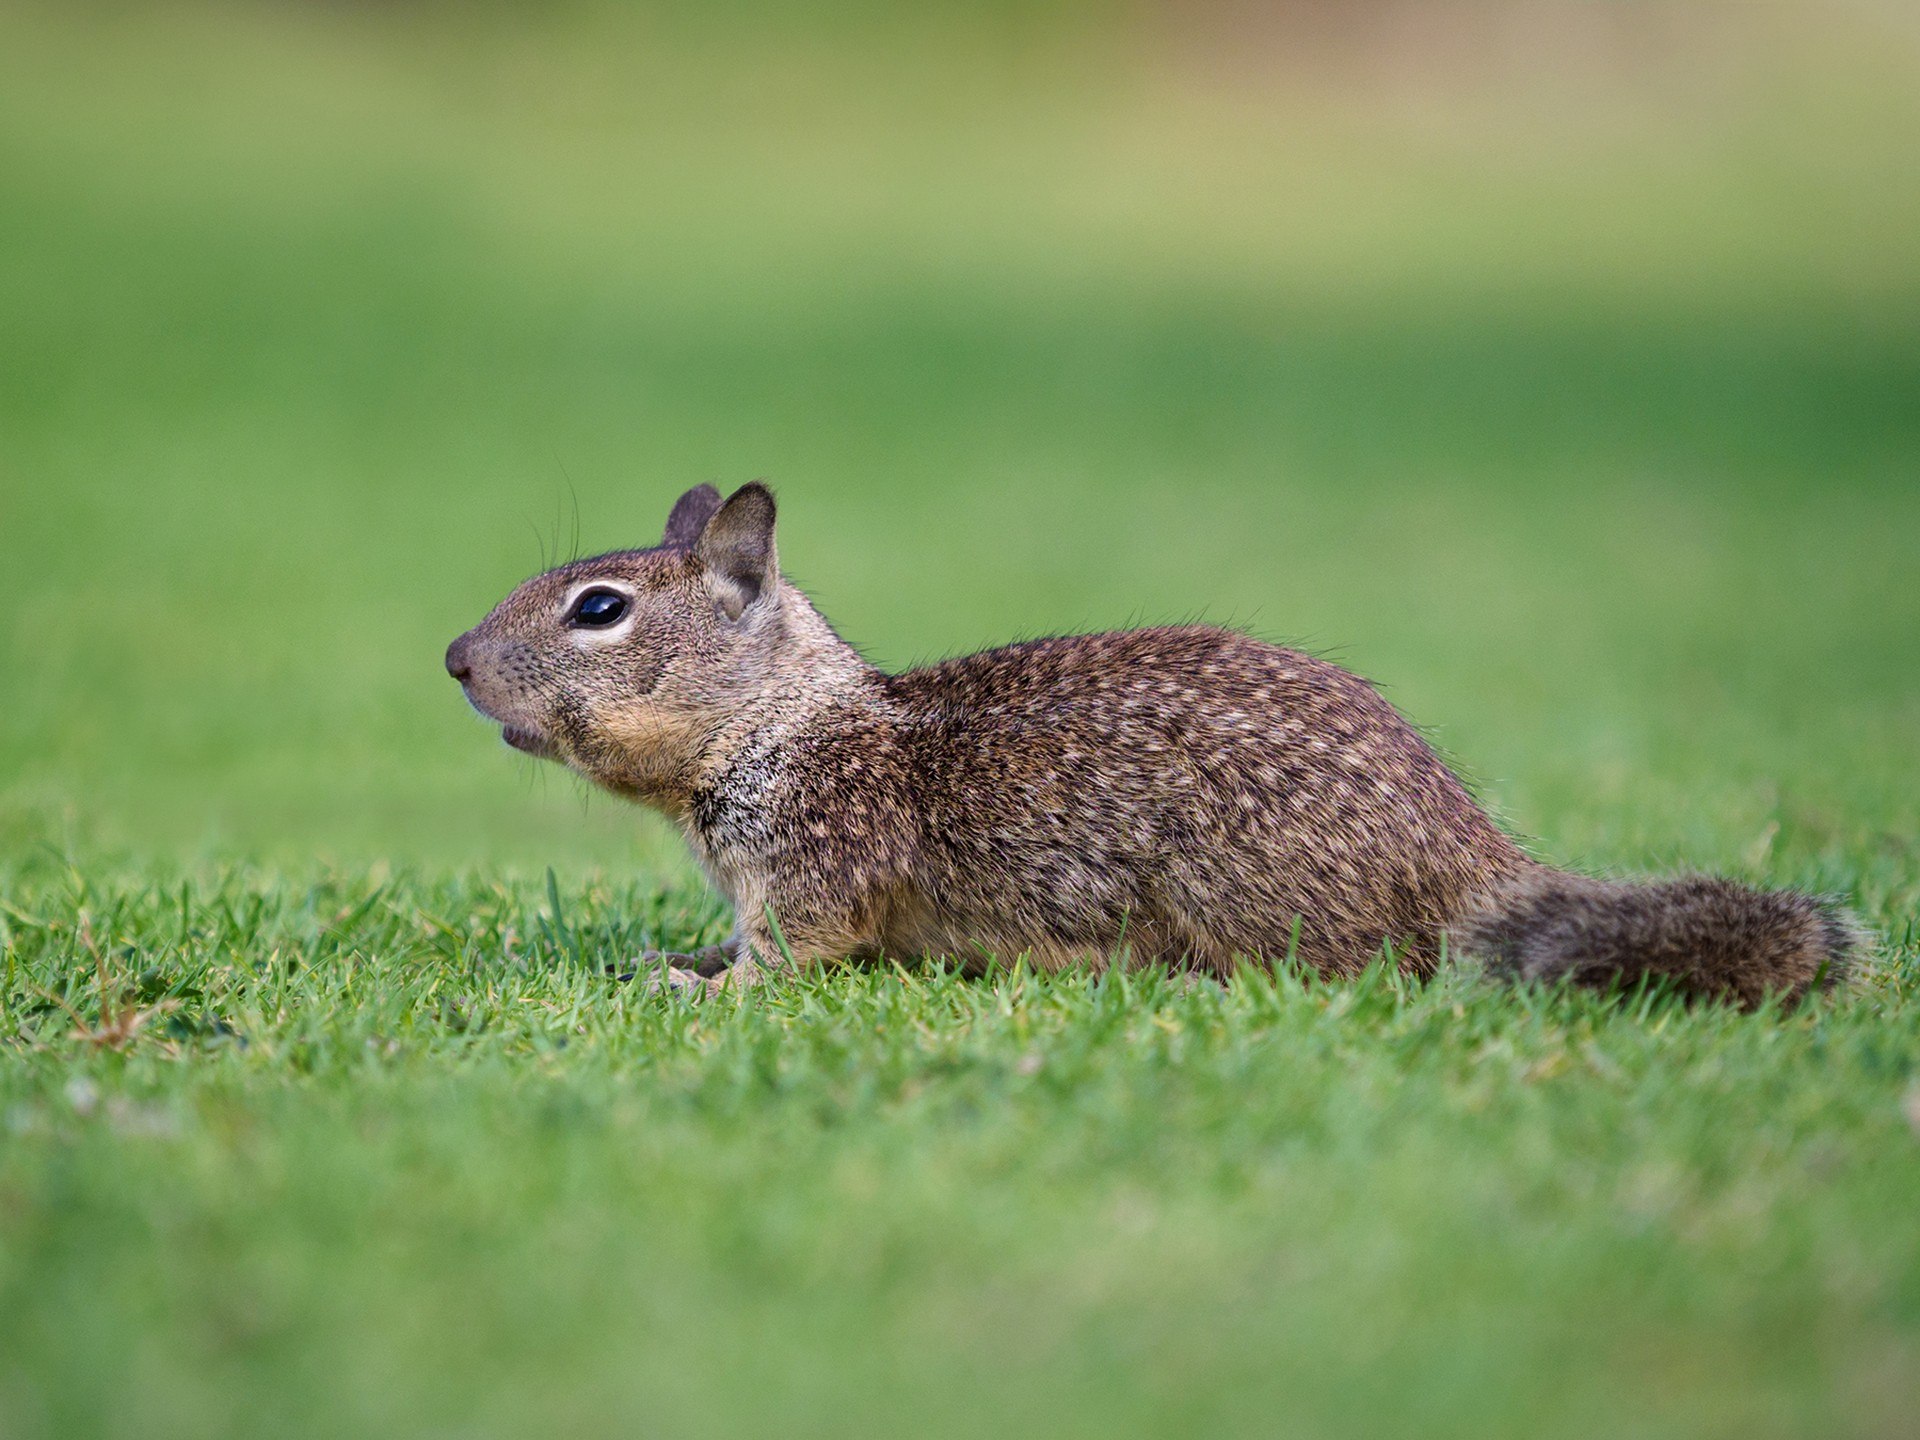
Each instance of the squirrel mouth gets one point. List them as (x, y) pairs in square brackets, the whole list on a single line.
[(532, 742)]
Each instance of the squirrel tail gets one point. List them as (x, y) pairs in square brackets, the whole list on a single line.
[(1707, 937)]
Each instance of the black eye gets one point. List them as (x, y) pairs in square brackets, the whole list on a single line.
[(598, 607)]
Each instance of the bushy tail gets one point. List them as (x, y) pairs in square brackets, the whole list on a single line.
[(1705, 936)]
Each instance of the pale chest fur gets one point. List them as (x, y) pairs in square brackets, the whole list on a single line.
[(730, 825)]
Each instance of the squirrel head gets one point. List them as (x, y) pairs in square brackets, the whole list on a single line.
[(621, 665)]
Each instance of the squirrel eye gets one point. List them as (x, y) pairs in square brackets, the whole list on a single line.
[(598, 607)]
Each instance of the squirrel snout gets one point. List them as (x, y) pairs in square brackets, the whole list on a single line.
[(458, 665)]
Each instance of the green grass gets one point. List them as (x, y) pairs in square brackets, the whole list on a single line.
[(1577, 407), (404, 1159)]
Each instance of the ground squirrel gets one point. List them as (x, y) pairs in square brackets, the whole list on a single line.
[(1184, 795)]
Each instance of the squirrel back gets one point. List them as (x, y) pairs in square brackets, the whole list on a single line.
[(1185, 796)]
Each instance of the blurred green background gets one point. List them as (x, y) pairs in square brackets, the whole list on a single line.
[(1555, 364)]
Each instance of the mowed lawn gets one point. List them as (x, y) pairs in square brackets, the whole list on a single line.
[(1578, 404)]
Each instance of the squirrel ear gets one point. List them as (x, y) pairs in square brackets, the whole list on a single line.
[(690, 515), (736, 547)]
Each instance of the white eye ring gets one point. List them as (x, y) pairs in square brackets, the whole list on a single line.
[(609, 620)]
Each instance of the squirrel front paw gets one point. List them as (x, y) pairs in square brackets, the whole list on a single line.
[(706, 963), (659, 975), (683, 982)]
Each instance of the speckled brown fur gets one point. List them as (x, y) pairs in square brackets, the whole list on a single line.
[(1182, 796)]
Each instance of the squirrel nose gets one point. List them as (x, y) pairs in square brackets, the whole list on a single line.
[(457, 664)]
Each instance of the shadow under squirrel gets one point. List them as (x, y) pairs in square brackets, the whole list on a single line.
[(1179, 795)]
